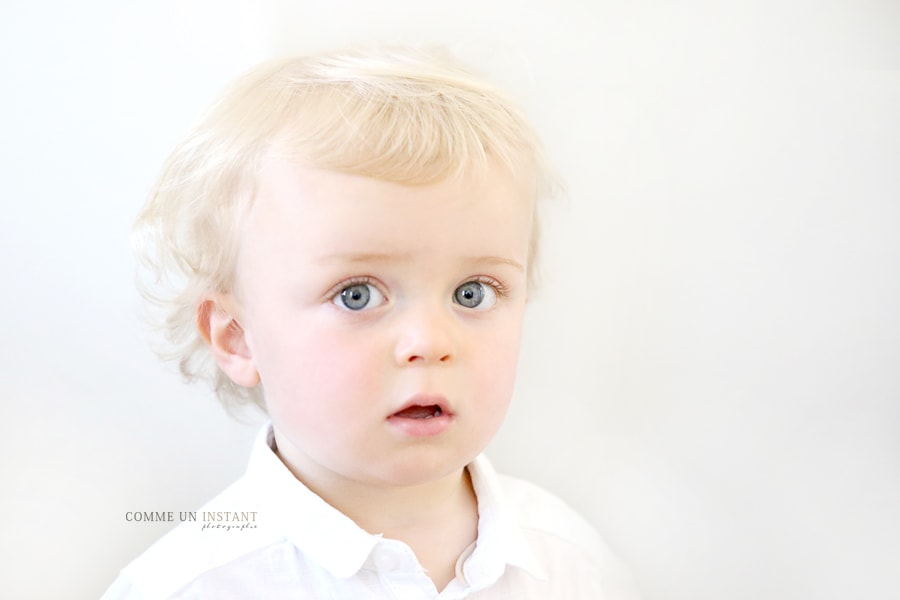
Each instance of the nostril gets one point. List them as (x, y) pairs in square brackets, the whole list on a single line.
[(417, 357)]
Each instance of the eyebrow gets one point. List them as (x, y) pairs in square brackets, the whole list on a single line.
[(376, 257), (497, 260), (363, 257)]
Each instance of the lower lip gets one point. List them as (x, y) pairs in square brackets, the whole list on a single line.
[(421, 427)]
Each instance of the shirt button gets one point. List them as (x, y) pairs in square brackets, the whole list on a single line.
[(385, 560)]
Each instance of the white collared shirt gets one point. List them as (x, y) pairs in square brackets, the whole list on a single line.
[(269, 536)]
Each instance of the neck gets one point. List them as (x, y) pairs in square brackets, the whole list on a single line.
[(386, 509), (438, 519)]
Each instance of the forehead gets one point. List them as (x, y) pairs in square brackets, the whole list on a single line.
[(298, 208)]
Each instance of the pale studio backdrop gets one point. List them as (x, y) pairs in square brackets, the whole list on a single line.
[(711, 371)]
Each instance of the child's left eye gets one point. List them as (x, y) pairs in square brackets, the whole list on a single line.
[(475, 295), (359, 296)]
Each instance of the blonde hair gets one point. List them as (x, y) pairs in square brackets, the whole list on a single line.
[(406, 116)]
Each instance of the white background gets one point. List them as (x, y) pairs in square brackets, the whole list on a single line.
[(711, 370)]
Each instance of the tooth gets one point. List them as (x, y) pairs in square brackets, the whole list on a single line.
[(437, 412)]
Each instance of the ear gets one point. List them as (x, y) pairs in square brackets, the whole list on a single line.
[(227, 340)]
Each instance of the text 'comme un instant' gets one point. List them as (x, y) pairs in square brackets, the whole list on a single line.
[(211, 519)]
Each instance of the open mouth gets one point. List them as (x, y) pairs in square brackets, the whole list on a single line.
[(419, 412), (423, 416)]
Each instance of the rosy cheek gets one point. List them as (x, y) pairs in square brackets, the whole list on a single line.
[(327, 366)]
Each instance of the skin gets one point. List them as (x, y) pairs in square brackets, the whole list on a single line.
[(333, 377)]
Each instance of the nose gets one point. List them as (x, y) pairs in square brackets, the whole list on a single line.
[(427, 337)]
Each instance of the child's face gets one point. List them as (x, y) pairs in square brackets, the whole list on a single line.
[(360, 298)]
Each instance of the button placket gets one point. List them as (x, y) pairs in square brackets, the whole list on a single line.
[(386, 560), (400, 572)]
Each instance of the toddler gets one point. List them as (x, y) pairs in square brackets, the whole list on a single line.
[(348, 240)]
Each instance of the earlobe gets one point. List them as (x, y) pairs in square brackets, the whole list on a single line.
[(227, 341)]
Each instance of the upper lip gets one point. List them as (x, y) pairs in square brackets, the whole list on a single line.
[(426, 400)]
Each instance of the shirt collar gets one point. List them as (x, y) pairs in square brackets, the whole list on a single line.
[(339, 545), (317, 529), (501, 541)]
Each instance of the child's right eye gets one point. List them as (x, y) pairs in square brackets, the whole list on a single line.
[(359, 296)]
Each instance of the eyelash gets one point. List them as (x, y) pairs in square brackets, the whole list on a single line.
[(333, 292), (499, 288)]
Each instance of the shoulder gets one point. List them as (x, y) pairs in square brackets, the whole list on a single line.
[(536, 509), (563, 540), (223, 530)]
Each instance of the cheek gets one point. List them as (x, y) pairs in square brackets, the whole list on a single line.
[(502, 378), (496, 366), (307, 370)]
